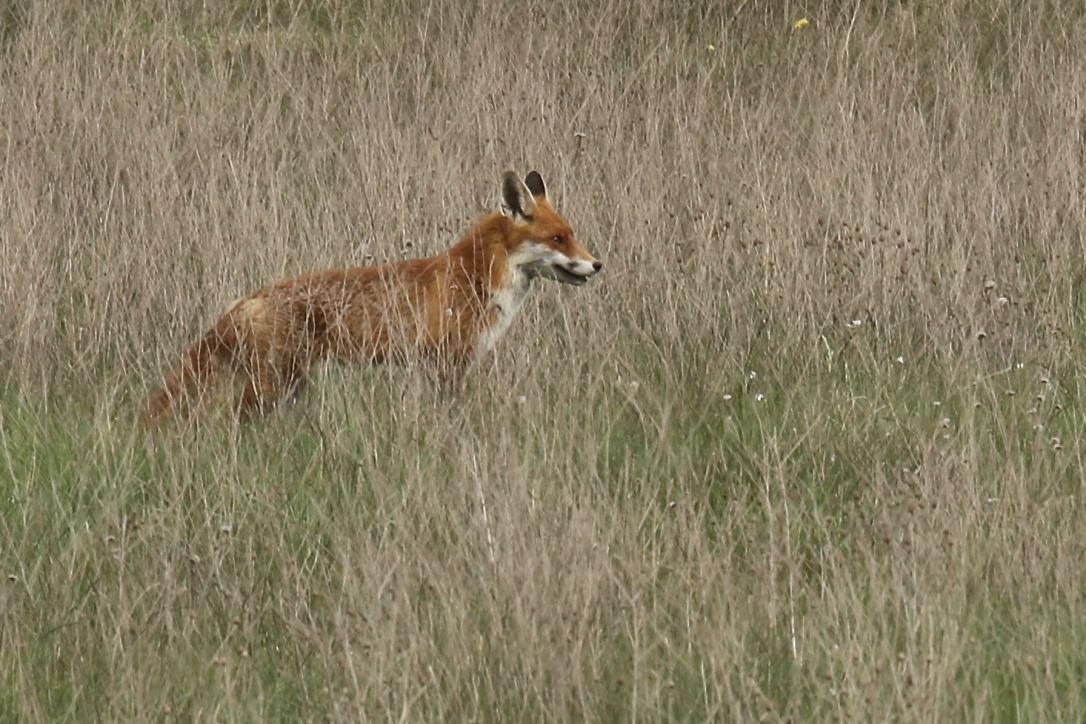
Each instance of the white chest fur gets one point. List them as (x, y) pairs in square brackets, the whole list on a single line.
[(507, 301)]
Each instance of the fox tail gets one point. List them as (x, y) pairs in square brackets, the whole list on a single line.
[(189, 383)]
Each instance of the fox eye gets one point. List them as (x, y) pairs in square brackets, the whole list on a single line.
[(559, 240)]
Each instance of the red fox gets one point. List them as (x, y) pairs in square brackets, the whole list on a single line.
[(445, 310)]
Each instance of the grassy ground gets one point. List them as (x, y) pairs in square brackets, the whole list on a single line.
[(809, 448)]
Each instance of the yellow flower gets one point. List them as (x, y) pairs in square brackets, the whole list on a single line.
[(712, 48), (801, 23)]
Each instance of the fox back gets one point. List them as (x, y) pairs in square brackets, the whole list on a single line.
[(445, 311)]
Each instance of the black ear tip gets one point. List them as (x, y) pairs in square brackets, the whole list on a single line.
[(534, 182)]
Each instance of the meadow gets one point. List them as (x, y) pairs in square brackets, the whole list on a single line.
[(809, 448)]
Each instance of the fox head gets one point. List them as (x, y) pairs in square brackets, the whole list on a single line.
[(542, 242)]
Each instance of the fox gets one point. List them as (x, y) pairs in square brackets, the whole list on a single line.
[(446, 311)]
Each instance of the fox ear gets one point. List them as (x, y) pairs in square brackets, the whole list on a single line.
[(517, 200), (535, 184)]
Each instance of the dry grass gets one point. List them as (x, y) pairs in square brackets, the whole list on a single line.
[(809, 448)]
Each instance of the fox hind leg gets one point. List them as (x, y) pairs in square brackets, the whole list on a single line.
[(266, 383), (276, 358)]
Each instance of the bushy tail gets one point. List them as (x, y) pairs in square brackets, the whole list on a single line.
[(190, 381)]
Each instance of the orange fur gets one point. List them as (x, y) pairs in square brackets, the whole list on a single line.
[(444, 310)]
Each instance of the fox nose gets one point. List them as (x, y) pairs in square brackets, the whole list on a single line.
[(596, 266)]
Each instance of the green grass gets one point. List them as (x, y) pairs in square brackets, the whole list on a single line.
[(832, 480)]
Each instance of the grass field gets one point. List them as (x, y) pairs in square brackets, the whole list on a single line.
[(809, 448)]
